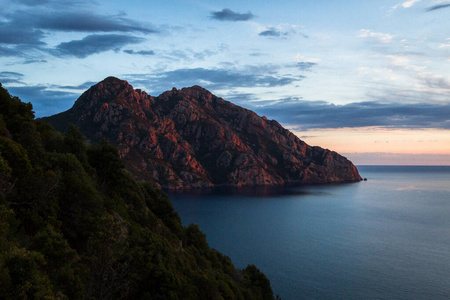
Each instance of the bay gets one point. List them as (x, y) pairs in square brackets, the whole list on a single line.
[(385, 238)]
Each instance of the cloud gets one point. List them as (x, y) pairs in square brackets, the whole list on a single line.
[(141, 52), (409, 3), (435, 82), (271, 32), (215, 79), (87, 22), (239, 98), (189, 55), (5, 51), (93, 44), (320, 114), (33, 61), (439, 6), (10, 77), (381, 37), (46, 101), (406, 4), (282, 31), (305, 65), (84, 86), (12, 35), (446, 44), (229, 15), (29, 28)]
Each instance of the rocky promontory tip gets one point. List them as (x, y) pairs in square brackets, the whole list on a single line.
[(190, 138)]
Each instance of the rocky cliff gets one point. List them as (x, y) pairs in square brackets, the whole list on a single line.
[(190, 138)]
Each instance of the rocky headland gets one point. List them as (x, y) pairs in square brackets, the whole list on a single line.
[(189, 138)]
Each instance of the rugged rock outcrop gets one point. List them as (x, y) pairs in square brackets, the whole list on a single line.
[(190, 138)]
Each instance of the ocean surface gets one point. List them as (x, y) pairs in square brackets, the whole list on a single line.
[(385, 238)]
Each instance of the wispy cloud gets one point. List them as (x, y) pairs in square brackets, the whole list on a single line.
[(320, 114), (227, 14), (93, 44), (439, 6), (409, 3), (10, 77), (7, 51), (406, 4), (46, 100), (446, 44), (141, 52), (270, 32), (282, 31), (306, 65), (34, 61), (215, 79), (188, 55), (381, 37), (84, 86)]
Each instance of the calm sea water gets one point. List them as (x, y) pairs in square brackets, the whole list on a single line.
[(386, 238)]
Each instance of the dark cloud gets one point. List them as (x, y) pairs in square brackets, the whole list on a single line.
[(87, 22), (214, 79), (33, 61), (439, 6), (46, 101), (6, 73), (10, 77), (5, 51), (13, 35), (319, 114), (440, 83), (270, 32), (282, 31), (95, 43), (306, 65), (227, 14), (141, 52), (84, 86), (30, 27)]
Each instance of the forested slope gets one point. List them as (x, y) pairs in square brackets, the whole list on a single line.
[(74, 224)]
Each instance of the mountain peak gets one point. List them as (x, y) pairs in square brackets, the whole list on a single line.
[(112, 83), (112, 79), (111, 89), (190, 138), (196, 90)]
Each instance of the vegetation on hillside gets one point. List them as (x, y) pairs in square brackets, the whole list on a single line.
[(74, 224)]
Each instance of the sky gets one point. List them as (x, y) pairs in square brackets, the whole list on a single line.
[(368, 79)]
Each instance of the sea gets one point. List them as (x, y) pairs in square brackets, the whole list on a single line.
[(384, 238)]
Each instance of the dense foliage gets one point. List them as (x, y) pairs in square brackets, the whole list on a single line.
[(74, 224)]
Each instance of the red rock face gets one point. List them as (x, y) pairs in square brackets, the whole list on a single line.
[(190, 138)]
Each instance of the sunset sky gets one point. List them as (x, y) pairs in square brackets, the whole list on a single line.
[(368, 79)]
